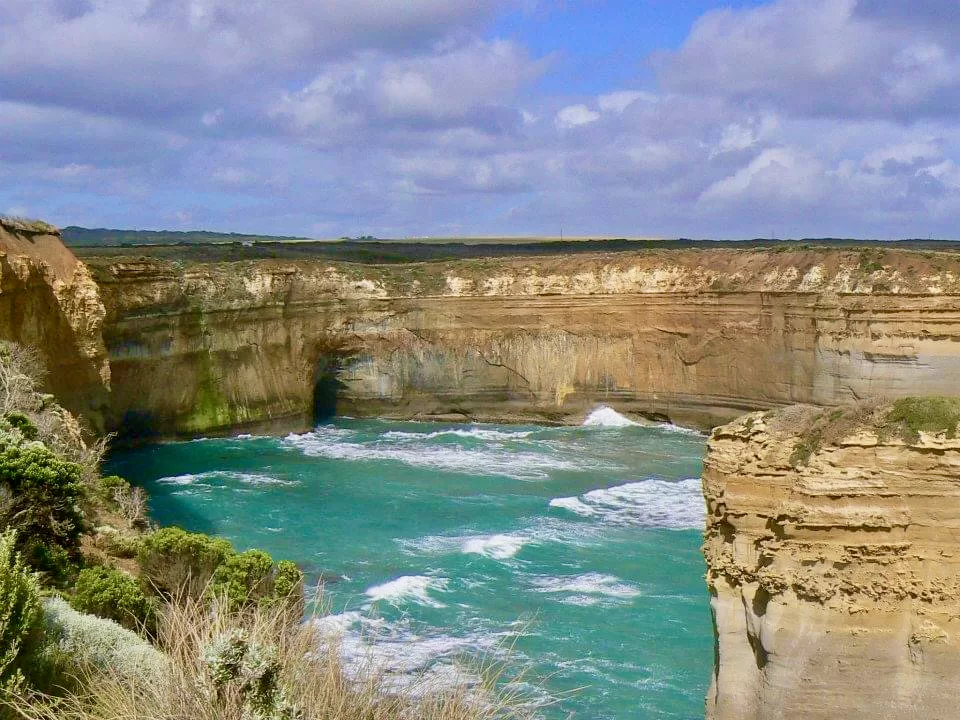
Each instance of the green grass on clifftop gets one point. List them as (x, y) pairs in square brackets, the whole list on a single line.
[(913, 415)]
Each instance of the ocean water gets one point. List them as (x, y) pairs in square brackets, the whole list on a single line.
[(568, 555)]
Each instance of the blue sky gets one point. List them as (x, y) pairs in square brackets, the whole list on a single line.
[(478, 117)]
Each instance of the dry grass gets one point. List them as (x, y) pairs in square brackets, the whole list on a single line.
[(308, 679)]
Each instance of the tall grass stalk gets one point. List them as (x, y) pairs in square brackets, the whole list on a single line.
[(304, 667)]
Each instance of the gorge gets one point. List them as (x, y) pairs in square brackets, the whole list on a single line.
[(828, 553)]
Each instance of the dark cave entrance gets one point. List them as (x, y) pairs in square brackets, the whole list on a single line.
[(326, 386)]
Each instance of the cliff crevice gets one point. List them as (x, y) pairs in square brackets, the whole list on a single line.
[(831, 547)]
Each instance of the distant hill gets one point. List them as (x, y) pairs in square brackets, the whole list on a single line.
[(103, 237)]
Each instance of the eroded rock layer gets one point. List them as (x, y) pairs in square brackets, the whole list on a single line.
[(49, 301), (833, 560), (697, 336), (146, 344)]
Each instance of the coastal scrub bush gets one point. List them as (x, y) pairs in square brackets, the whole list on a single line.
[(119, 495), (257, 664), (913, 415), (40, 496), (112, 594), (176, 562), (21, 616), (243, 577), (19, 421), (95, 644), (180, 564)]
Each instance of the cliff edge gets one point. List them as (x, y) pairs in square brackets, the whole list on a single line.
[(50, 302), (833, 561)]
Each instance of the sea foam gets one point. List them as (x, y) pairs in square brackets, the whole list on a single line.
[(498, 547), (650, 503), (586, 589), (208, 479), (417, 450), (605, 416), (408, 588)]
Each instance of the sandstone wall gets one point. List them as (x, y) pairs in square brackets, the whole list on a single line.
[(834, 570), (697, 336), (48, 300)]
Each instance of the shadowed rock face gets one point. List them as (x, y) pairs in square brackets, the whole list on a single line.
[(697, 336), (834, 569), (694, 335), (48, 300)]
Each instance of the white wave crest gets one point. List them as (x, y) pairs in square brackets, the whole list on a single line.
[(498, 547), (520, 465), (605, 416), (650, 503), (408, 588), (477, 433), (587, 589), (207, 479), (670, 427)]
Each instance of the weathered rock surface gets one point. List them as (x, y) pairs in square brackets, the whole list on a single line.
[(48, 300), (834, 567), (698, 336), (155, 346)]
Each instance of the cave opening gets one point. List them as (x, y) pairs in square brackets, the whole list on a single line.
[(326, 386)]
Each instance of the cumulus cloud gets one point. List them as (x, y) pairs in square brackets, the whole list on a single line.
[(464, 86), (575, 115), (823, 58), (816, 117)]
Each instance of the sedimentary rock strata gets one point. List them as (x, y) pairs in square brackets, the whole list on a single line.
[(833, 554)]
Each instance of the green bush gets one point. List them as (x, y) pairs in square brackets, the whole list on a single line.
[(174, 561), (22, 423), (243, 578), (21, 616), (41, 500), (108, 486), (287, 580), (90, 642), (177, 563), (114, 595)]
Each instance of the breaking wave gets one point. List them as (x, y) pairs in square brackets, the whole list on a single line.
[(650, 503)]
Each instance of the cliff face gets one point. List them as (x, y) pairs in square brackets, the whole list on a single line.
[(48, 300), (698, 336), (143, 345), (834, 566)]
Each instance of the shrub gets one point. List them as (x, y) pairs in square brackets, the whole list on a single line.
[(109, 485), (114, 595), (22, 423), (174, 561), (185, 565), (913, 415), (96, 644), (257, 665), (21, 616), (287, 580), (244, 577), (40, 498)]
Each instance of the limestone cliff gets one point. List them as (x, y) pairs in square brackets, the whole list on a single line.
[(147, 342), (48, 300), (834, 563), (698, 336)]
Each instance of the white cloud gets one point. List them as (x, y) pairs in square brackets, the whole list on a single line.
[(617, 102), (776, 175), (574, 116)]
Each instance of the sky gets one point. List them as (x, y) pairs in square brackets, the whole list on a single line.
[(412, 118)]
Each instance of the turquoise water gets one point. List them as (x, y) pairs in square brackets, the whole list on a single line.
[(578, 547)]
